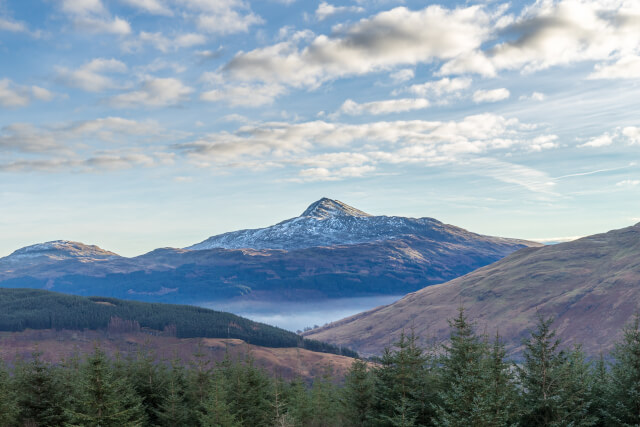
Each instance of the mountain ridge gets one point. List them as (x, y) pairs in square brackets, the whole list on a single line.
[(590, 286)]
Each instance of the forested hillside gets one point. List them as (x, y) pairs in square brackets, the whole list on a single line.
[(467, 382), (22, 309)]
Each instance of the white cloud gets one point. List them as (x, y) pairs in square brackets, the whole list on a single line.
[(11, 95), (403, 75), (166, 44), (91, 16), (599, 141), (248, 95), (7, 24), (628, 183), (41, 94), (383, 107), (154, 7), (439, 87), (627, 67), (389, 39), (311, 147), (222, 16), (154, 92), (91, 76), (535, 96), (493, 95), (556, 33), (632, 133), (326, 10)]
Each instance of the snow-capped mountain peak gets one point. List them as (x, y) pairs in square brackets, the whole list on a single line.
[(59, 250), (329, 208)]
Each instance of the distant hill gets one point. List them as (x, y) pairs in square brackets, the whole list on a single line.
[(332, 250), (591, 286), (22, 309)]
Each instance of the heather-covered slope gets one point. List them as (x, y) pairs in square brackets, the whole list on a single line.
[(591, 286)]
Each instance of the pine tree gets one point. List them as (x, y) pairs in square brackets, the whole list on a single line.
[(149, 380), (104, 400), (298, 402), (462, 374), (41, 398), (555, 383), (216, 409), (173, 410), (624, 395), (324, 400), (250, 394), (497, 403), (8, 407), (357, 395)]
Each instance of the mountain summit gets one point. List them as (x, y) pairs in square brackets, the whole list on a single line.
[(329, 208), (58, 250), (329, 222)]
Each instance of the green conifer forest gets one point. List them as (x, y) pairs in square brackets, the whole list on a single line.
[(468, 382)]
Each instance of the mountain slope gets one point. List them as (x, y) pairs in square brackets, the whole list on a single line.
[(332, 251), (22, 309), (330, 222), (591, 286)]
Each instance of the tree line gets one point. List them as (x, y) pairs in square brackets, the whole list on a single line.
[(22, 309), (467, 382)]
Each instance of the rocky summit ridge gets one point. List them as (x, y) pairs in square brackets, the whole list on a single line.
[(329, 222)]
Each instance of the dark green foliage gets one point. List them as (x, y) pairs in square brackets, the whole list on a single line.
[(8, 407), (103, 399), (556, 384), (624, 389), (357, 396), (468, 383), (41, 395), (37, 309), (462, 372)]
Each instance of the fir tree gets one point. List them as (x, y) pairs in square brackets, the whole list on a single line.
[(104, 400), (497, 402), (216, 409), (462, 374), (8, 407), (298, 402), (357, 395), (324, 400), (624, 395), (173, 410), (41, 399)]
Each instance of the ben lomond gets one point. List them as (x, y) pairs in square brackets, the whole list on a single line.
[(332, 250)]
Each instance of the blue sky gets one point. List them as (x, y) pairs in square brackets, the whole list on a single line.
[(136, 124)]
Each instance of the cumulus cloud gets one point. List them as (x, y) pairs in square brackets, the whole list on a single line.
[(403, 75), (247, 95), (166, 44), (154, 7), (91, 16), (91, 76), (358, 148), (599, 141), (389, 39), (222, 16), (326, 10), (493, 95), (438, 87), (13, 95), (627, 67), (535, 96), (154, 92), (13, 26), (632, 134), (352, 108), (79, 145), (557, 33)]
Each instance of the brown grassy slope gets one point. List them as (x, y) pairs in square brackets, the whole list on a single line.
[(58, 345), (591, 286)]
